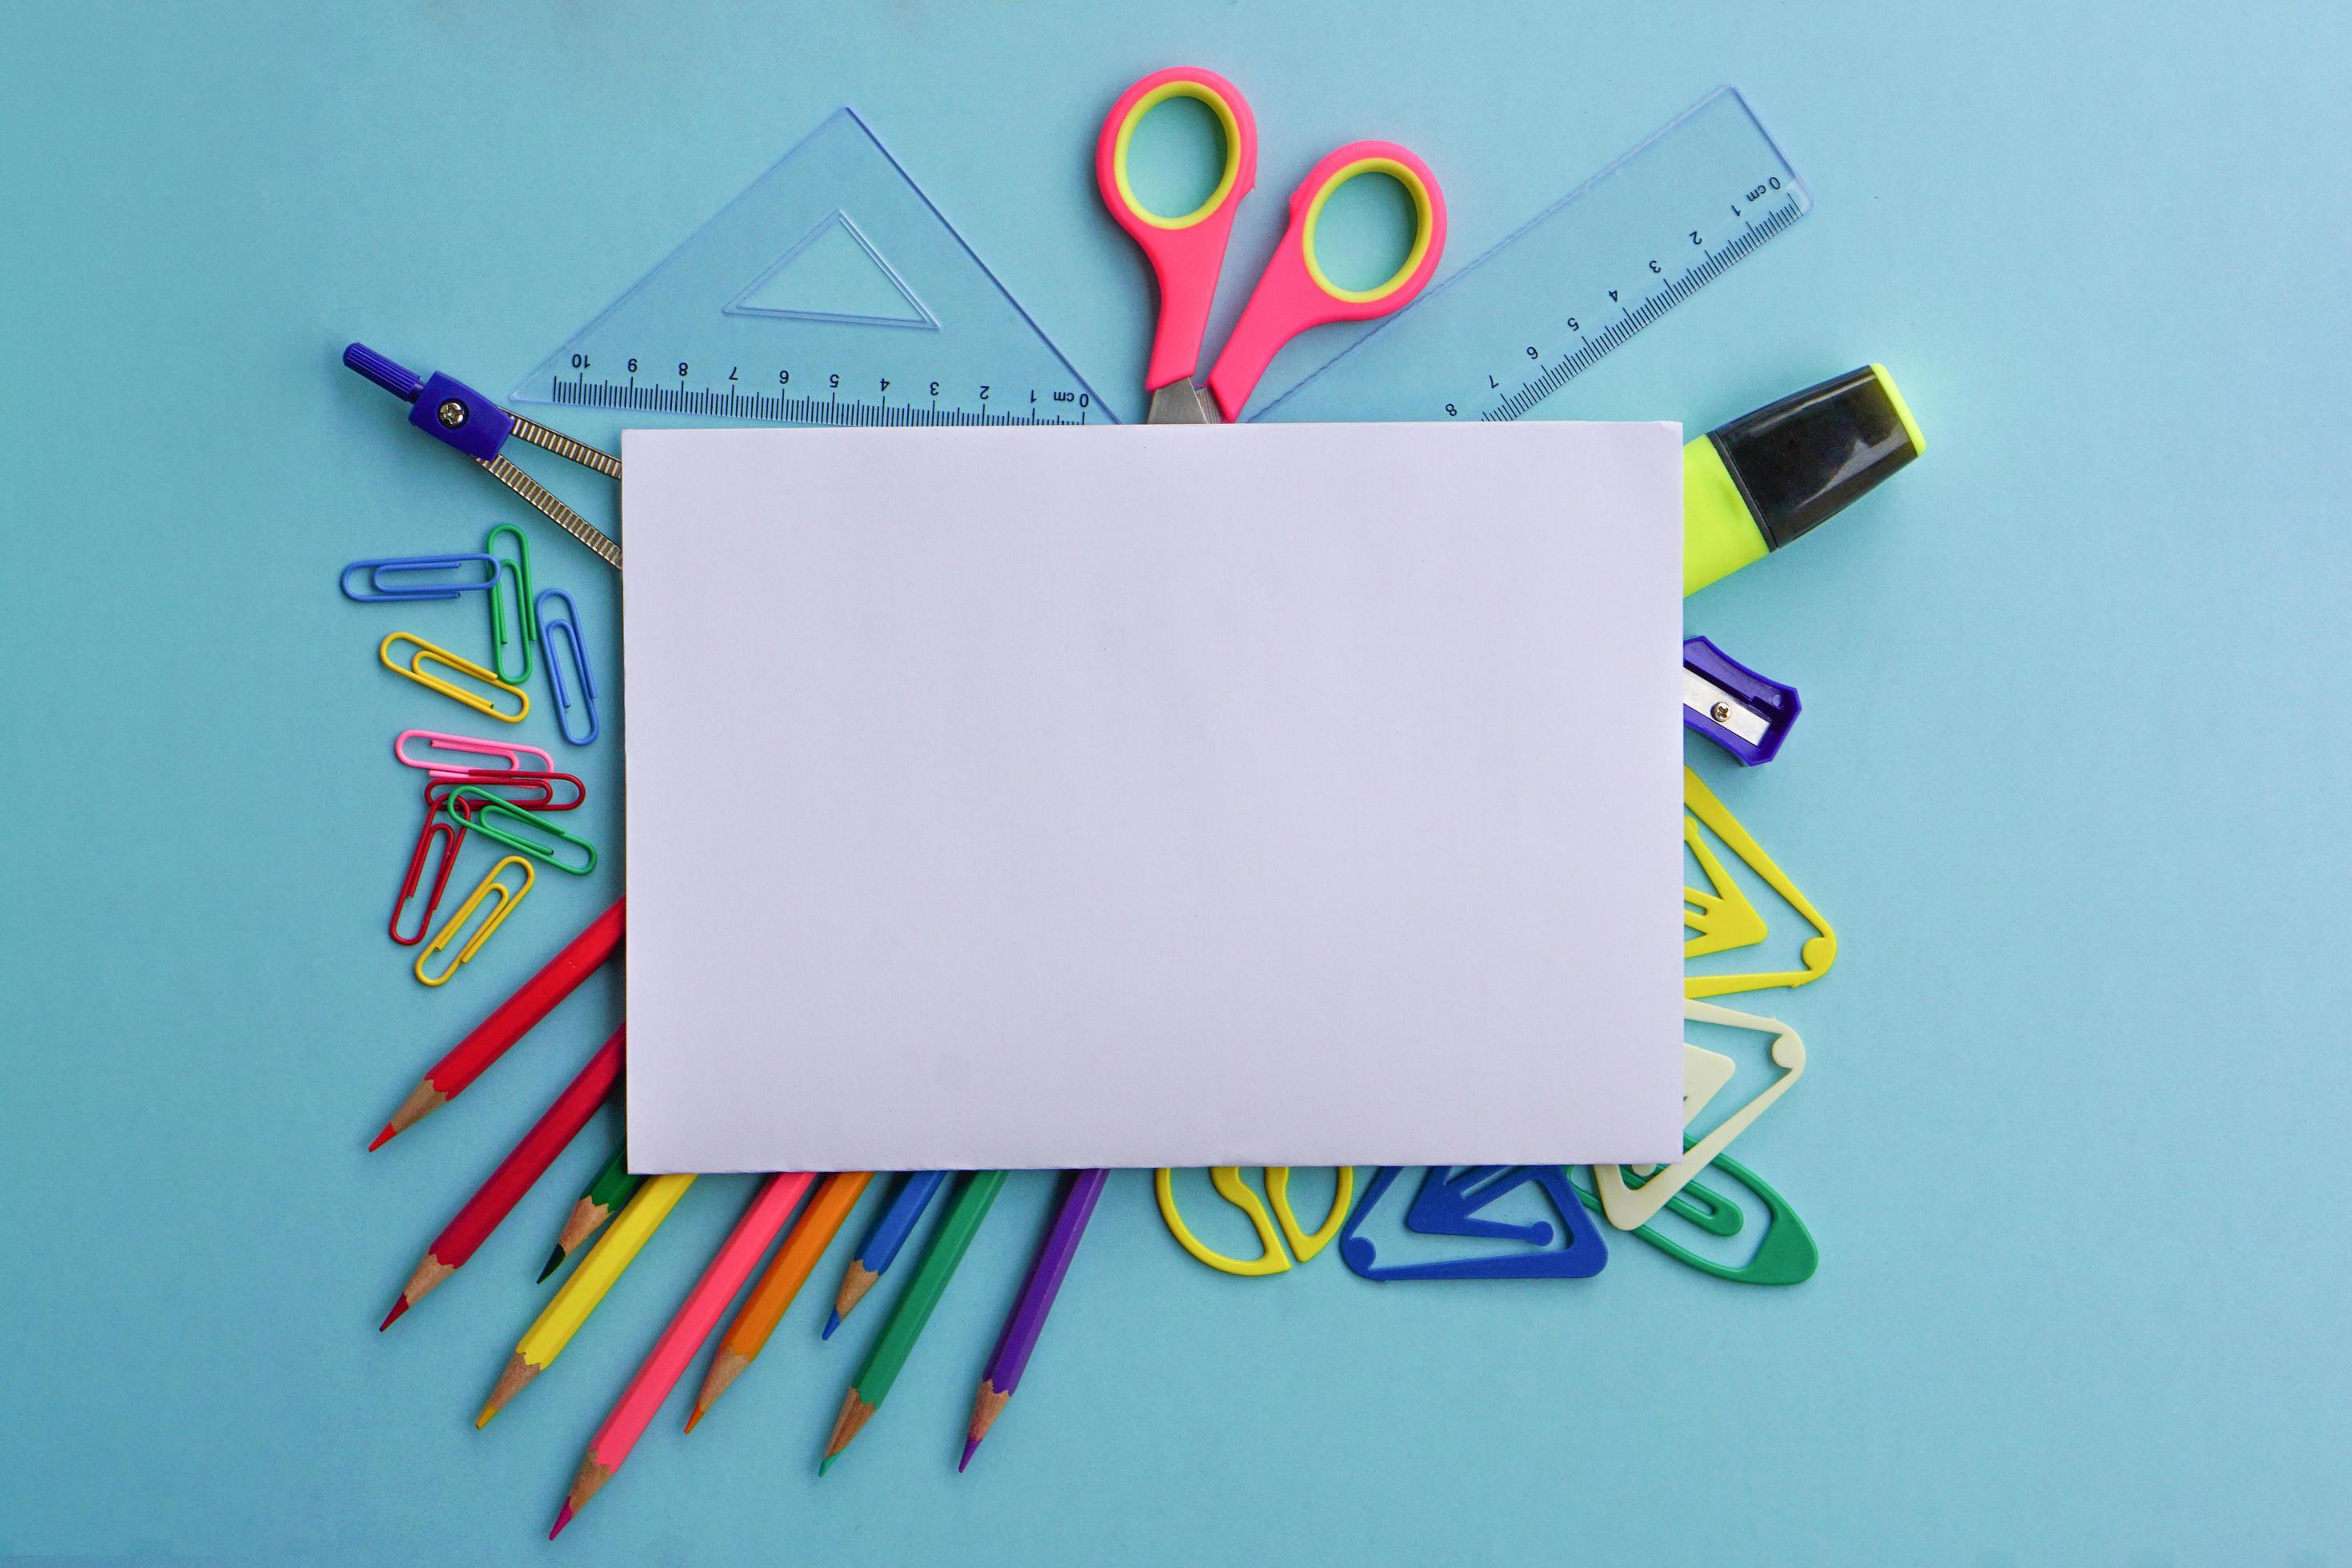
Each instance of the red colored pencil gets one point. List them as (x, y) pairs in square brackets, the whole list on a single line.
[(537, 998), (526, 1163)]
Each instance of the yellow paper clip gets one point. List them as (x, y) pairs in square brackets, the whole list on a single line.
[(1725, 918), (426, 653), (1227, 1180), (508, 898)]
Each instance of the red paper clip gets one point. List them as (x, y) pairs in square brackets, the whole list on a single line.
[(452, 835), (531, 788)]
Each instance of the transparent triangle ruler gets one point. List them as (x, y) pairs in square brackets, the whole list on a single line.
[(1583, 279), (831, 291)]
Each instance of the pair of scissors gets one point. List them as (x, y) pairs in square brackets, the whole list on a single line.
[(1188, 252)]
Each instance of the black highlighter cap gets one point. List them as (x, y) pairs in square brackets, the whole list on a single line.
[(1801, 461)]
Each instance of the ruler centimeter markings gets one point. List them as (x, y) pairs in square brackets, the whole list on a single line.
[(1585, 277), (829, 291), (1042, 405)]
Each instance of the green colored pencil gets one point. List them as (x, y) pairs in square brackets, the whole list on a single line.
[(913, 1310), (613, 1187)]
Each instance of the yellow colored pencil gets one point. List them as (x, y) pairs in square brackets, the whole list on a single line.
[(613, 1252)]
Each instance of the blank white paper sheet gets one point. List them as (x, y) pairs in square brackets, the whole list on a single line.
[(1266, 794)]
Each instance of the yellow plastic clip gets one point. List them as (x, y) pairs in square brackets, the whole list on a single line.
[(427, 653), (1227, 1180), (508, 898), (1704, 1073), (1725, 918)]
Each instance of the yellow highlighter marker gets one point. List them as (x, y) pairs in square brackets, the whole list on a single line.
[(1753, 485), (605, 1262)]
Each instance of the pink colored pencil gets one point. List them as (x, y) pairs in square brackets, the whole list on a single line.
[(697, 1316)]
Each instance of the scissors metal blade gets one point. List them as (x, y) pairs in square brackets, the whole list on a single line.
[(1183, 402)]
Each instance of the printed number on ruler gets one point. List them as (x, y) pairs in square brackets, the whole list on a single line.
[(830, 291), (1579, 281)]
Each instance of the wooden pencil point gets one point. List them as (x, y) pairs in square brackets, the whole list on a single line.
[(855, 1413), (426, 1281), (985, 1409), (398, 1306), (585, 1217), (725, 1368), (554, 1262), (585, 1485), (517, 1372), (855, 1280), (421, 1102)]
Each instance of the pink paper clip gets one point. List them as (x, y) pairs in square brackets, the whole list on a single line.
[(435, 740)]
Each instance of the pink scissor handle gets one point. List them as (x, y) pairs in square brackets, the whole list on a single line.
[(1186, 252), (1295, 293)]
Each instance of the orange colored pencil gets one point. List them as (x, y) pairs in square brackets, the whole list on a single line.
[(696, 1317), (763, 1309)]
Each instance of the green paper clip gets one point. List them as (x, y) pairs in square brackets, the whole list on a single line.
[(487, 805), (518, 571), (1788, 1255)]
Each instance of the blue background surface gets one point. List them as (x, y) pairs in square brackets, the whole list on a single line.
[(2069, 781)]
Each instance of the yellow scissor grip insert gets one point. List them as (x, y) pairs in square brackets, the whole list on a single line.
[(1150, 100), (1425, 225)]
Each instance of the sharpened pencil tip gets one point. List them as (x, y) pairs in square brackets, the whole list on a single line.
[(832, 1322), (695, 1417), (384, 1137), (971, 1446), (397, 1308), (561, 1520), (827, 1463), (554, 1261)]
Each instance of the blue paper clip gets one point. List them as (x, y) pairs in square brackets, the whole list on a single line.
[(569, 629), (1733, 706), (1448, 1205), (380, 593)]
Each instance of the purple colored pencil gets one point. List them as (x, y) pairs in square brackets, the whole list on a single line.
[(1028, 1319)]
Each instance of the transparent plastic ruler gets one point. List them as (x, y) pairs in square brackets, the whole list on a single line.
[(831, 291), (1586, 277)]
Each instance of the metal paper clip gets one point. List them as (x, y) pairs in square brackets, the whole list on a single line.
[(380, 593), (452, 835), (568, 631), (508, 898), (540, 791), (427, 652), (526, 631), (476, 806), (437, 740)]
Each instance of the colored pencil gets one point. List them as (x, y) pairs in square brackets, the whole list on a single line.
[(882, 1243), (1011, 1357), (553, 1329), (471, 1057), (786, 1272), (913, 1310), (612, 1187), (529, 1161), (696, 1317)]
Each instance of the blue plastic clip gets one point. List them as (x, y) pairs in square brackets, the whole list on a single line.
[(1448, 1205), (568, 629), (1730, 704), (380, 593)]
